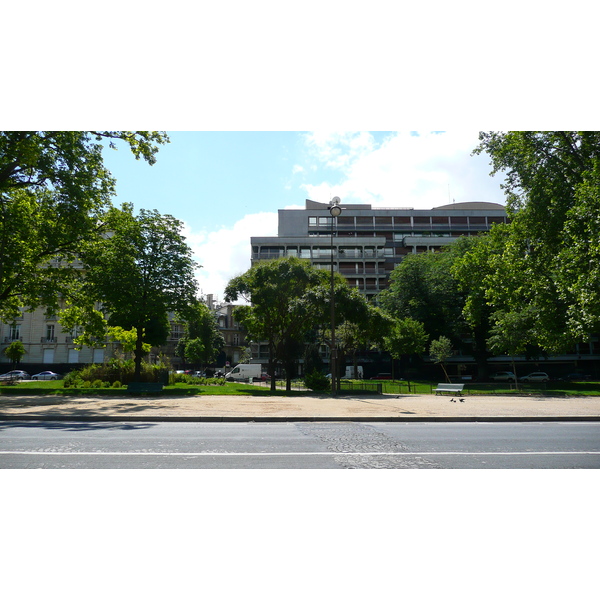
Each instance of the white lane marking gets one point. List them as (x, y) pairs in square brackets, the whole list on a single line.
[(57, 453)]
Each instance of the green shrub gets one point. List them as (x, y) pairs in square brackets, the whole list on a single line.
[(72, 380), (116, 384), (175, 378), (317, 382)]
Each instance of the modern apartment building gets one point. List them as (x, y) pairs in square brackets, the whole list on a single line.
[(367, 243)]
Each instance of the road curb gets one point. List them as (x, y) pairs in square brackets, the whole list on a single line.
[(292, 419)]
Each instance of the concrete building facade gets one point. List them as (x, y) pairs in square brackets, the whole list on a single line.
[(366, 243)]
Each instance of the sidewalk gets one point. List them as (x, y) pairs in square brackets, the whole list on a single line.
[(385, 407)]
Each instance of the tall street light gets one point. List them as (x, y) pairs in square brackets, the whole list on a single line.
[(335, 210)]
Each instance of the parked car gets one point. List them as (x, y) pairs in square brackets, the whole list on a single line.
[(504, 376), (536, 377), (382, 376), (18, 375), (46, 375)]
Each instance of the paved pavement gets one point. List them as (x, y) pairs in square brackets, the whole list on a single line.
[(387, 407)]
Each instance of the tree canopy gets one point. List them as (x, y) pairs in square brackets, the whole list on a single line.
[(290, 298), (138, 273), (15, 351), (547, 265), (203, 340), (54, 192), (422, 288)]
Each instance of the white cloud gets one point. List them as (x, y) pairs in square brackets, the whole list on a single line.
[(338, 150), (403, 170), (419, 171), (225, 253)]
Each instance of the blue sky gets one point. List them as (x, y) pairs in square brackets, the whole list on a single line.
[(228, 186)]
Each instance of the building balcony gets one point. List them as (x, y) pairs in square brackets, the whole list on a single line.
[(359, 272), (350, 254)]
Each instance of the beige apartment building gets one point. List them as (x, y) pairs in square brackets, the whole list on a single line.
[(47, 346)]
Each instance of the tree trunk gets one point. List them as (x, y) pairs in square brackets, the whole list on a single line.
[(272, 367), (288, 376), (512, 360), (138, 354), (445, 373)]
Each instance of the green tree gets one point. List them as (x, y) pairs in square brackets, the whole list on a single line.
[(406, 336), (54, 192), (365, 330), (357, 322), (15, 351), (127, 339), (194, 350), (474, 270), (440, 351), (578, 279), (422, 288), (139, 273), (202, 329), (290, 300), (547, 270), (279, 310)]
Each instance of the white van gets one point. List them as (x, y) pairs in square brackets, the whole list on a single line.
[(244, 373), (350, 374)]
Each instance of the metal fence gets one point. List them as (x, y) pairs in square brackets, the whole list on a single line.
[(361, 386)]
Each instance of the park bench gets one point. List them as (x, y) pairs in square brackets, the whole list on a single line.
[(139, 387), (455, 388)]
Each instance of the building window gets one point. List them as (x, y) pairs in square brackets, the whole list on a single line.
[(476, 220), (14, 333), (50, 333), (177, 331), (422, 221)]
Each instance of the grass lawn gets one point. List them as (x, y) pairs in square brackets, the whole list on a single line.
[(50, 388), (557, 388)]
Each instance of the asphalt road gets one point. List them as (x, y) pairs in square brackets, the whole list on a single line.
[(298, 445)]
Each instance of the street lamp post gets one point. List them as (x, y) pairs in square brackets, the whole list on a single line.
[(335, 211)]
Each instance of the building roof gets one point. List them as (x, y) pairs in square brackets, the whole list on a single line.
[(312, 205), (471, 206)]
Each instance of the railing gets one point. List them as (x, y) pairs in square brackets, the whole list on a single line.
[(48, 340), (360, 386), (362, 272)]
